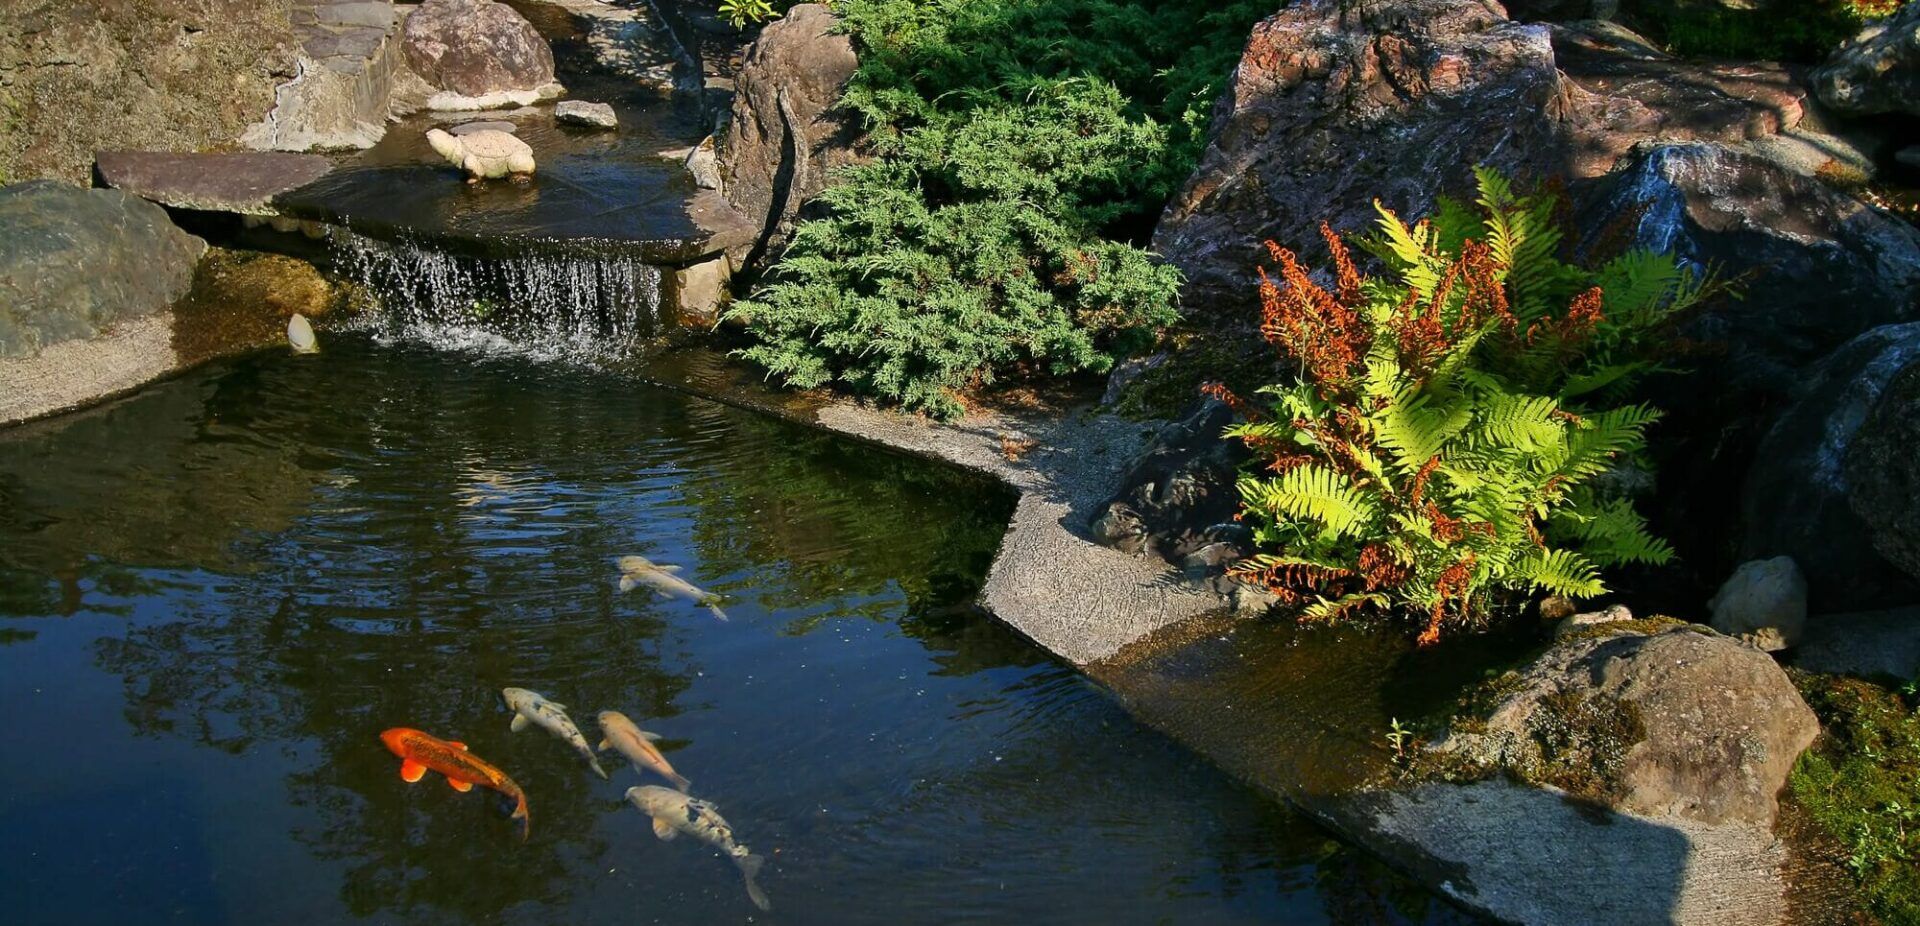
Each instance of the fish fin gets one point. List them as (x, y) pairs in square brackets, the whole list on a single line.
[(668, 568), (526, 820), (411, 771), (750, 872), (650, 737), (663, 594), (605, 744), (458, 785), (557, 705), (627, 583), (680, 782), (596, 767), (722, 615), (663, 829), (457, 745), (519, 723)]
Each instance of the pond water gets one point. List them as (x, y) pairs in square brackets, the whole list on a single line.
[(214, 596)]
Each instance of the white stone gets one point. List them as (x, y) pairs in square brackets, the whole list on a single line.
[(1763, 594), (581, 112)]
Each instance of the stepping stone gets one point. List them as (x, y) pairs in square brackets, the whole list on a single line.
[(242, 182), (581, 112)]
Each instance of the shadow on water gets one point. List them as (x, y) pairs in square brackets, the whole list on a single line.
[(218, 591)]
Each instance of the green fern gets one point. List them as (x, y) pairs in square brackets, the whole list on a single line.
[(1438, 481)]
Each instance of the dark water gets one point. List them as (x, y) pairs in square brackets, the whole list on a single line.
[(215, 594)]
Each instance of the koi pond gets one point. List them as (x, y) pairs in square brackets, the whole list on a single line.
[(215, 596)]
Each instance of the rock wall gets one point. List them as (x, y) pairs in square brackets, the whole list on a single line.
[(172, 75)]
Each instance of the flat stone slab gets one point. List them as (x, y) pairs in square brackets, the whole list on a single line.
[(242, 182), (71, 374), (1864, 643)]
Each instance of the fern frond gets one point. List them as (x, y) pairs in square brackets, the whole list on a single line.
[(1312, 492), (1561, 572)]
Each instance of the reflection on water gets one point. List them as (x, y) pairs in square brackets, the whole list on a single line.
[(214, 595)]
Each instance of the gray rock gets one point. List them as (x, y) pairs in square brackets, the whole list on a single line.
[(1883, 472), (1817, 266), (345, 84), (591, 115), (242, 182), (484, 125), (1252, 600), (700, 291), (1121, 528), (1211, 559), (1179, 489), (74, 263), (703, 164), (1763, 595), (1883, 644), (365, 13), (1680, 723), (1797, 499), (1876, 72), (786, 134), (476, 47), (1613, 614)]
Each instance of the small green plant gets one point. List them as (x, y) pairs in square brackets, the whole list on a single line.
[(1442, 444), (1399, 735), (741, 12)]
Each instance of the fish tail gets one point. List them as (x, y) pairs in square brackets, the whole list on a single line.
[(679, 781), (750, 865), (520, 814), (722, 615), (595, 763)]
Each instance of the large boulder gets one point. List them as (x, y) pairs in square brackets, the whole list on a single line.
[(786, 133), (1816, 265), (1664, 721), (478, 49), (1800, 498), (173, 75), (1335, 105), (74, 262), (1878, 71), (1883, 472)]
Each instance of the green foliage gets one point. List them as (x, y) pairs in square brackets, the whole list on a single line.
[(1022, 148), (1806, 32), (1439, 446), (742, 12), (1861, 783)]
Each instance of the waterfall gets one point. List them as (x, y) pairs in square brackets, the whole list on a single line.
[(568, 298)]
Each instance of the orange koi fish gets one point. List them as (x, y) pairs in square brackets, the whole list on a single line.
[(419, 752)]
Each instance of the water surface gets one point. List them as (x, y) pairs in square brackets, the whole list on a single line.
[(216, 593)]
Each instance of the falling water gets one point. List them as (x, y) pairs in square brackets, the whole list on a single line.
[(566, 300)]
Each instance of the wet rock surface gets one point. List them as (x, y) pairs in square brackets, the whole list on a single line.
[(1798, 500), (174, 75), (243, 182), (74, 263), (1878, 71), (1817, 265), (786, 135), (1673, 723), (476, 47)]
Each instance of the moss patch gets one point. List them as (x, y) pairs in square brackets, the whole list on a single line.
[(1860, 784), (1583, 741), (1644, 627)]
